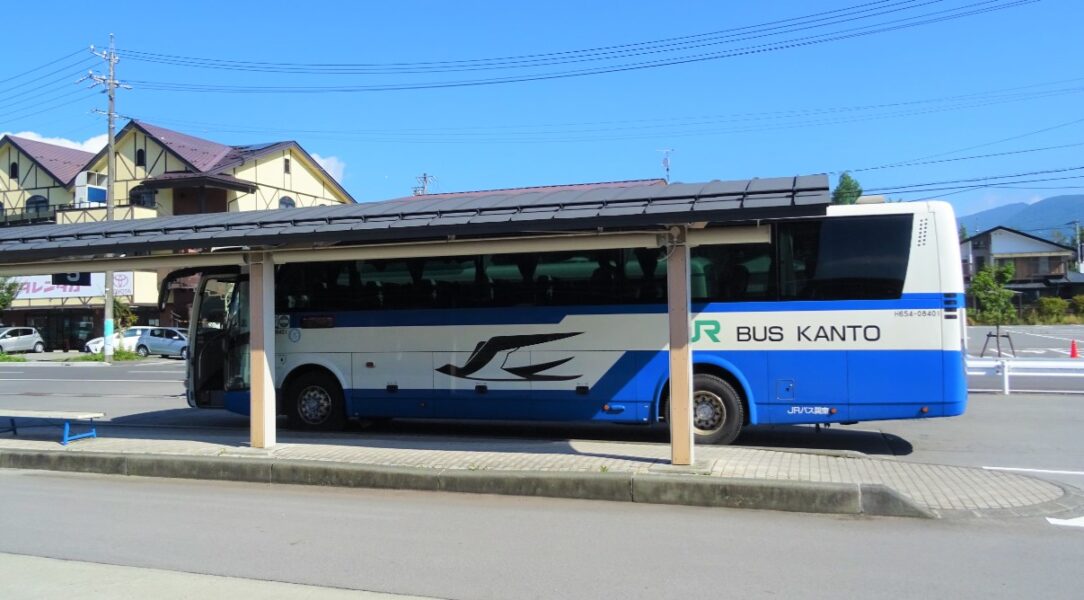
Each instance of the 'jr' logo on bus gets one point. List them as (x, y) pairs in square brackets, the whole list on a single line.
[(710, 328)]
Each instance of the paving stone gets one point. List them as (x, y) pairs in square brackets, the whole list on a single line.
[(936, 487)]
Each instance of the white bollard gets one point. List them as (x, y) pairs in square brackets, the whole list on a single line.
[(1004, 365)]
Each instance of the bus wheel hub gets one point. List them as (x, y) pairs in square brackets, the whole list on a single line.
[(708, 411), (314, 405)]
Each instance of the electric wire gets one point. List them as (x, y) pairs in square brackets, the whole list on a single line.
[(496, 62), (898, 24)]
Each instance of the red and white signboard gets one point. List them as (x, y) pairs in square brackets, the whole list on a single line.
[(40, 287)]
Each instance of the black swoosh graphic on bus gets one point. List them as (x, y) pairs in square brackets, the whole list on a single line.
[(486, 351)]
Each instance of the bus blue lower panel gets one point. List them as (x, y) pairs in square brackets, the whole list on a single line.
[(783, 387)]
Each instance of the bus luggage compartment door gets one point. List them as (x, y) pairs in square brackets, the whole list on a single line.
[(392, 384)]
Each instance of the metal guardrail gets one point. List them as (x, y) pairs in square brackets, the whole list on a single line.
[(1006, 369)]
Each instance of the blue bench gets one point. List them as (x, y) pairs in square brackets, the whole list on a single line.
[(53, 415)]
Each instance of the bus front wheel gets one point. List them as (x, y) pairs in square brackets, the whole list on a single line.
[(717, 410), (316, 403)]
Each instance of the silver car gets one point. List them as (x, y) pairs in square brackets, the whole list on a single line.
[(20, 339), (165, 341)]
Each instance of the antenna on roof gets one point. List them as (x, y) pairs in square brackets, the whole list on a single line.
[(423, 184), (666, 161)]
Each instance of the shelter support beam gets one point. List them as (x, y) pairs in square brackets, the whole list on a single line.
[(681, 364), (262, 349)]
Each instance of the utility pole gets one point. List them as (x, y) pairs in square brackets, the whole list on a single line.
[(423, 184), (1079, 248), (110, 83)]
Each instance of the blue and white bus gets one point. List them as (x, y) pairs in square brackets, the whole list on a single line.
[(853, 316)]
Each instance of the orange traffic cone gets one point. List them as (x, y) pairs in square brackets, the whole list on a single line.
[(1073, 353)]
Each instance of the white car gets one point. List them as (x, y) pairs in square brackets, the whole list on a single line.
[(125, 340)]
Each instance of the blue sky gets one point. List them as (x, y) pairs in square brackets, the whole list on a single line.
[(950, 89)]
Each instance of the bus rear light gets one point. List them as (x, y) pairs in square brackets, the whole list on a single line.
[(924, 409), (832, 411), (318, 322)]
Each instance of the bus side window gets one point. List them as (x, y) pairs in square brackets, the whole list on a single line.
[(733, 273), (846, 258)]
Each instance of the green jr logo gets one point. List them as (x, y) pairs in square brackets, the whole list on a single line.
[(710, 328)]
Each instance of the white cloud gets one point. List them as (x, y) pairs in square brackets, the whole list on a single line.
[(332, 164), (93, 144)]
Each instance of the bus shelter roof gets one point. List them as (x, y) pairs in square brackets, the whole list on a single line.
[(418, 218)]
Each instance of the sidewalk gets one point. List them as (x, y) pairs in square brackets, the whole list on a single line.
[(809, 481), (26, 577)]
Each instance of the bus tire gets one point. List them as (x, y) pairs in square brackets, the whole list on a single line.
[(316, 403), (718, 413)]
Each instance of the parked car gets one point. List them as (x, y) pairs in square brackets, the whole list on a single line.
[(20, 339), (165, 341), (125, 340)]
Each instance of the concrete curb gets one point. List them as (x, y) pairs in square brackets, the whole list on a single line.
[(649, 488)]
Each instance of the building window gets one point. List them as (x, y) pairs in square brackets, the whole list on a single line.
[(142, 196), (286, 165), (287, 202), (37, 205), (141, 158), (13, 170)]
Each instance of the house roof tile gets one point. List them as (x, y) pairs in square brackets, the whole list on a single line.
[(62, 163)]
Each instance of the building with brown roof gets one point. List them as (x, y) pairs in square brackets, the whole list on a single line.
[(160, 172), (36, 178)]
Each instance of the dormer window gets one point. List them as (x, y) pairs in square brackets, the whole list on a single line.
[(13, 170), (287, 202), (286, 165), (141, 158)]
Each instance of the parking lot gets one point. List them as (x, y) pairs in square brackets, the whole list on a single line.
[(1028, 341)]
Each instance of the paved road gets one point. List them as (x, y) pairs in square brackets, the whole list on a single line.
[(1037, 432), (1029, 341), (469, 546)]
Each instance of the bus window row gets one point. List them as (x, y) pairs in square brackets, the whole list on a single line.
[(837, 259)]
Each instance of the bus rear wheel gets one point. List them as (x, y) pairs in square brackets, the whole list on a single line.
[(316, 403), (717, 410)]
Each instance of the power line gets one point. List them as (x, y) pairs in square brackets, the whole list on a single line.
[(67, 78), (898, 24), (12, 117), (973, 147), (973, 157), (530, 60), (42, 66), (900, 188)]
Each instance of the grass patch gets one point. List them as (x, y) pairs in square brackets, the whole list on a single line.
[(11, 358), (118, 355)]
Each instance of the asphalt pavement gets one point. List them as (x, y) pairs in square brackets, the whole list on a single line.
[(480, 547), (1026, 341)]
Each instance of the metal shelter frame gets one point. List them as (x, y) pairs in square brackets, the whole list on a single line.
[(675, 216)]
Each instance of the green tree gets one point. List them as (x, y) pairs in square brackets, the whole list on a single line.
[(123, 316), (847, 190), (9, 289), (995, 301)]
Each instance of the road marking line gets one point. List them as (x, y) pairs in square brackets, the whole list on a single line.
[(97, 380), (1047, 471), (1077, 522), (1052, 337), (1016, 391)]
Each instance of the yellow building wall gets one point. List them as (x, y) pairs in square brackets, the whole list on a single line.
[(303, 183), (159, 161), (33, 181)]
